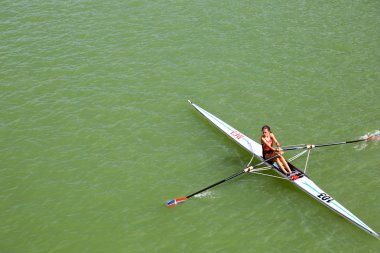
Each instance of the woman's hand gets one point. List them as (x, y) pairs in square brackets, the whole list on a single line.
[(279, 150)]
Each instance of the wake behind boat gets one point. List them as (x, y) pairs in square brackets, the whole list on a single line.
[(298, 178)]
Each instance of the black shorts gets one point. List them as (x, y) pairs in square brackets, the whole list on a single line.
[(265, 153)]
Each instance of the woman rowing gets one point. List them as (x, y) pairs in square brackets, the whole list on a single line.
[(267, 141)]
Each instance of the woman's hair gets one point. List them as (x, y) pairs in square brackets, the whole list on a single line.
[(266, 127)]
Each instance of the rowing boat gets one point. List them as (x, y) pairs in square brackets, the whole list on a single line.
[(300, 180)]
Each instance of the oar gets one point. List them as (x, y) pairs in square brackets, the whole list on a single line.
[(174, 202), (310, 146)]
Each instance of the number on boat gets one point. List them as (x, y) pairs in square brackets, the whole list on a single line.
[(325, 197), (237, 135)]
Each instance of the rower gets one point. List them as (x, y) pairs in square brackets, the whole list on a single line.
[(267, 141)]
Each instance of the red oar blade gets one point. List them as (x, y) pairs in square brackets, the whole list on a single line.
[(174, 202), (374, 137)]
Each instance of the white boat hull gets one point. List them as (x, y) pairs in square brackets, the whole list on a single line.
[(303, 182)]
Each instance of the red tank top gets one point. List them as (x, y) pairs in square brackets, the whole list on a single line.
[(265, 147)]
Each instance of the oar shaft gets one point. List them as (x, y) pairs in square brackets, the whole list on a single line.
[(217, 183), (230, 177), (337, 143), (304, 146)]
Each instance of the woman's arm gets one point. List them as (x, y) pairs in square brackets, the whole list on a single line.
[(276, 142), (267, 143)]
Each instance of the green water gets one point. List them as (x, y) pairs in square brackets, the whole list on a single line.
[(97, 134)]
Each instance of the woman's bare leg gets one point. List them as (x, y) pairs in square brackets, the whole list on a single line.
[(283, 161), (278, 161)]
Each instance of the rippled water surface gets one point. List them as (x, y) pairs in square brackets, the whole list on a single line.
[(97, 134)]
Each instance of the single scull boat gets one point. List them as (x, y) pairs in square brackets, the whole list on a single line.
[(300, 179)]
